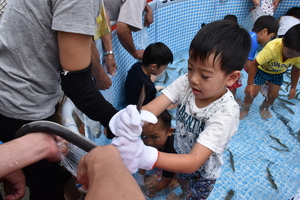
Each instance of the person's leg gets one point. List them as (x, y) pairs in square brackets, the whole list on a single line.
[(273, 90)]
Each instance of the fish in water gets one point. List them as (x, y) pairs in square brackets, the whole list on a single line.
[(229, 195), (271, 179), (231, 160), (285, 148)]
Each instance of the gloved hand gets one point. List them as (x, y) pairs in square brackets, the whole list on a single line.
[(135, 154), (128, 122), (127, 126)]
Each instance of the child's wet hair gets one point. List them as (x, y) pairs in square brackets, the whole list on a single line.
[(267, 22), (157, 53), (227, 41), (292, 38), (294, 11)]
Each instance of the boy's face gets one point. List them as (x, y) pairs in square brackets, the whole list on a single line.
[(290, 53), (208, 81), (155, 135)]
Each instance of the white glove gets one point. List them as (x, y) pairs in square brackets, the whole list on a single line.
[(135, 154), (128, 122), (127, 126)]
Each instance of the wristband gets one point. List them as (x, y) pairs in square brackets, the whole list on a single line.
[(108, 52)]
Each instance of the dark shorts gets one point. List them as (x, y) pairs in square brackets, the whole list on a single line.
[(261, 77), (199, 187)]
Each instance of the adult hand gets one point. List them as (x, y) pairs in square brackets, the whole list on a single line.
[(14, 185), (138, 54), (148, 18), (256, 2), (110, 63), (103, 82), (275, 4)]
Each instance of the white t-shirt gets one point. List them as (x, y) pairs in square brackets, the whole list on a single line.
[(211, 126), (285, 23), (127, 11)]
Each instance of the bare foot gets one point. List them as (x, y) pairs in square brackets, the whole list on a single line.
[(265, 113), (243, 113)]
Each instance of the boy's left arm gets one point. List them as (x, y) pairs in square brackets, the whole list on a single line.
[(294, 81)]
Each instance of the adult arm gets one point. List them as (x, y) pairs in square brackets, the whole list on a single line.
[(105, 176), (276, 4), (125, 38), (148, 18), (75, 57), (102, 80), (27, 150), (294, 81), (109, 59)]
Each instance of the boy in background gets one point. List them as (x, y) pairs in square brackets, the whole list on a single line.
[(291, 18), (264, 28), (207, 115), (155, 60), (270, 65)]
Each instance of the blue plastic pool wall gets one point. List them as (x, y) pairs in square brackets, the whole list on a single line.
[(252, 149)]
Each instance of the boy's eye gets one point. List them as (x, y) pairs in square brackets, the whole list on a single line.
[(189, 68), (205, 77)]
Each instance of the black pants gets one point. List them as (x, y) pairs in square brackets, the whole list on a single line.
[(44, 179)]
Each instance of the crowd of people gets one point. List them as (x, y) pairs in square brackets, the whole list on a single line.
[(54, 56)]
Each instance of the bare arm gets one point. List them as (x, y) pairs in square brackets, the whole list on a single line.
[(125, 38), (184, 163), (74, 51), (158, 105), (103, 81), (249, 90), (106, 176), (109, 59), (148, 19), (27, 150), (294, 81)]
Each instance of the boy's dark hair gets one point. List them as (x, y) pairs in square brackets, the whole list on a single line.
[(166, 119), (227, 40), (292, 38), (267, 22), (294, 11), (232, 18), (157, 53)]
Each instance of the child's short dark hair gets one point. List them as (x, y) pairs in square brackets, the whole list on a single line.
[(294, 11), (157, 53), (227, 40), (292, 38), (267, 22), (166, 119), (232, 18)]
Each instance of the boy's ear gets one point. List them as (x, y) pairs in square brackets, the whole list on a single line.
[(153, 66), (170, 131), (232, 77), (264, 31)]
